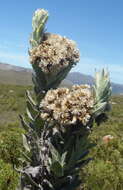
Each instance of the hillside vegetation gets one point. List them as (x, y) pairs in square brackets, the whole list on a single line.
[(104, 172), (15, 77), (106, 169)]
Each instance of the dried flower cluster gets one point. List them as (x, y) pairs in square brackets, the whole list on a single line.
[(54, 53), (68, 106)]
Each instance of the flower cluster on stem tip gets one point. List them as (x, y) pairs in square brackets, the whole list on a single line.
[(54, 53), (67, 106)]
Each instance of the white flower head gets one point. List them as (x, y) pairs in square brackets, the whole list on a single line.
[(68, 105)]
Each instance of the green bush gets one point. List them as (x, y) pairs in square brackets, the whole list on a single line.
[(106, 170), (10, 155), (103, 175), (8, 177), (11, 144)]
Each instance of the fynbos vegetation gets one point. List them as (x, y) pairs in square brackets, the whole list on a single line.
[(59, 122)]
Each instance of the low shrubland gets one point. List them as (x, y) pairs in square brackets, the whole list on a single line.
[(104, 172), (11, 104)]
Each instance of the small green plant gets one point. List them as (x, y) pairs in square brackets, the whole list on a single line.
[(106, 169), (11, 144), (10, 155), (8, 177), (60, 120)]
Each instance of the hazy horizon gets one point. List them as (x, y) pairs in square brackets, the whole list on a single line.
[(70, 71)]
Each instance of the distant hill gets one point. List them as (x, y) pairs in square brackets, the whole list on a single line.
[(78, 78), (15, 77), (8, 67), (10, 74)]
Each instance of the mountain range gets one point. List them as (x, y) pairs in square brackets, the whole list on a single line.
[(10, 74), (78, 78)]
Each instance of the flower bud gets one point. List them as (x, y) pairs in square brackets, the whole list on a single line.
[(38, 23)]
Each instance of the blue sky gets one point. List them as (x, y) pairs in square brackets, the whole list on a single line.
[(96, 26)]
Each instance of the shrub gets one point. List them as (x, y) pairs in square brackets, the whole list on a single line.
[(8, 177), (11, 144), (60, 121), (106, 170)]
